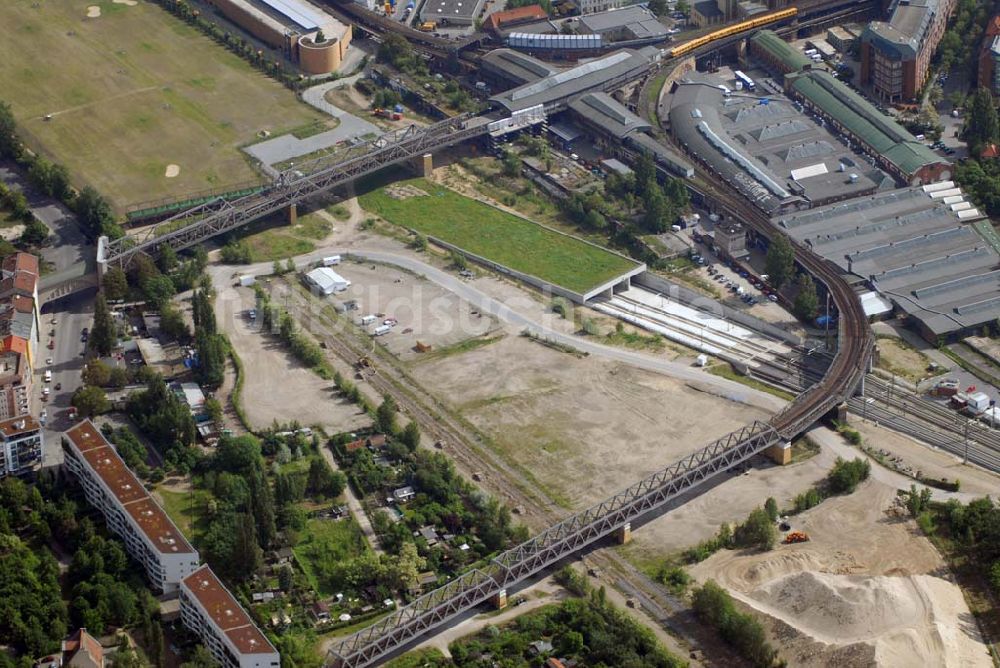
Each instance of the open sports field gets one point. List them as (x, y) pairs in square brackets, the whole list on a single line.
[(496, 235), (143, 106)]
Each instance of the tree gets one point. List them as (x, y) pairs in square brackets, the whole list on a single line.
[(247, 555), (95, 214), (213, 408), (167, 261), (982, 126), (158, 290), (408, 566), (411, 436), (917, 500), (385, 416), (658, 212), (96, 373), (845, 475), (35, 232), (511, 164), (322, 481), (320, 37), (780, 262), (285, 578), (10, 145), (211, 358), (658, 7), (771, 508), (395, 49), (114, 283), (683, 7), (90, 401), (757, 531), (104, 334), (172, 323), (200, 657), (806, 301)]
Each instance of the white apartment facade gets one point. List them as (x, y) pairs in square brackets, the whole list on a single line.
[(212, 612), (21, 442), (129, 511)]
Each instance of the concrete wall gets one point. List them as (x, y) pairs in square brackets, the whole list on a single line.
[(323, 58)]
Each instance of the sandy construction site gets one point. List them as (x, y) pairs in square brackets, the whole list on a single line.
[(867, 589)]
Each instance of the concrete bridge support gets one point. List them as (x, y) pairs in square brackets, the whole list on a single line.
[(623, 534), (293, 214), (780, 453), (499, 600), (423, 165)]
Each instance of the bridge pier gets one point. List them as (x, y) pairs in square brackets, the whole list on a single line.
[(780, 453), (499, 600), (293, 213), (623, 534), (424, 165)]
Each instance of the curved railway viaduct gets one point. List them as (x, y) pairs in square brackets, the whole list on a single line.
[(583, 529)]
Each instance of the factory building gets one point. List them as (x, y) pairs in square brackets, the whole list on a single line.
[(308, 36), (129, 511)]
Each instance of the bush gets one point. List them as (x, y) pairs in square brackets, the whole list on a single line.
[(562, 306), (237, 252), (807, 500), (674, 577), (743, 632), (846, 475), (757, 531)]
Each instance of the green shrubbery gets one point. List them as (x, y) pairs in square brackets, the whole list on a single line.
[(743, 632)]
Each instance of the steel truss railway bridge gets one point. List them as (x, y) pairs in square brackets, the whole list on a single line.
[(613, 516)]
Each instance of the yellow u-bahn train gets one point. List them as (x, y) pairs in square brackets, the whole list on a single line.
[(758, 22)]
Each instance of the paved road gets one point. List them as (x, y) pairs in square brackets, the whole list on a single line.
[(288, 146), (487, 304), (72, 315), (69, 246)]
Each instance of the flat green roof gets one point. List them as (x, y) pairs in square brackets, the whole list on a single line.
[(780, 49), (863, 120)]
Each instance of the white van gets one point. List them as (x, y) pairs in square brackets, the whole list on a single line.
[(367, 320), (48, 376), (331, 260), (382, 329)]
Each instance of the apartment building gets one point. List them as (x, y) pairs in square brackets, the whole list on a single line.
[(20, 445), (130, 512), (15, 377), (988, 70), (896, 54), (212, 612)]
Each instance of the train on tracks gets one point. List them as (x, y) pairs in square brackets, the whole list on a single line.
[(729, 31)]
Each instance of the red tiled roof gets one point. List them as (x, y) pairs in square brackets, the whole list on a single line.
[(21, 262), (517, 15), (23, 303), (226, 612), (14, 344), (130, 492), (991, 151), (81, 640)]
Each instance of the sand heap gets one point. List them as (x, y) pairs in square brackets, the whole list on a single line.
[(916, 620)]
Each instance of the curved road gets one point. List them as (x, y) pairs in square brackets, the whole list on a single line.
[(487, 304)]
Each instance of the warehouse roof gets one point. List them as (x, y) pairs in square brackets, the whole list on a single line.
[(450, 9), (770, 142), (590, 76), (635, 21), (781, 50), (914, 250), (864, 121), (603, 110), (517, 66)]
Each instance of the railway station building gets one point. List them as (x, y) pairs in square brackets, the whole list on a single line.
[(308, 36), (776, 156)]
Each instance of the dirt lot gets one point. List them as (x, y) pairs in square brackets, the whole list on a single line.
[(868, 589), (424, 311), (897, 357), (567, 420), (277, 387)]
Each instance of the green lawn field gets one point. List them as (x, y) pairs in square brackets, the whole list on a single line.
[(322, 545), (498, 236), (133, 91)]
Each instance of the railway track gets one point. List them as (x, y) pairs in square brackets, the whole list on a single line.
[(462, 443)]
